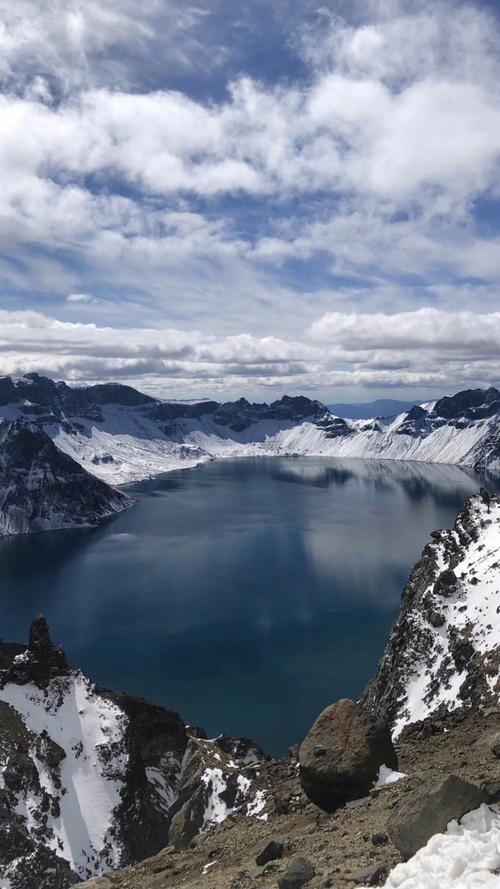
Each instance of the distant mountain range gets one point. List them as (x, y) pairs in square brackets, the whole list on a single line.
[(382, 407), (120, 435)]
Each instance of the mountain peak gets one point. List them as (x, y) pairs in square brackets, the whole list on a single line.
[(41, 661)]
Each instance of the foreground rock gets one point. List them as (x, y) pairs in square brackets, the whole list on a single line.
[(428, 809), (92, 779), (43, 489), (342, 754), (444, 650)]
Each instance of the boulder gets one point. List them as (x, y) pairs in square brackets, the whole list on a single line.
[(300, 872), (272, 851), (342, 754), (429, 809)]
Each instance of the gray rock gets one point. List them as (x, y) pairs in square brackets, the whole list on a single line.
[(341, 756), (297, 875), (428, 809), (273, 850), (372, 875)]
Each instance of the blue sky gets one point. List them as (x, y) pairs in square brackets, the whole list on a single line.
[(251, 198)]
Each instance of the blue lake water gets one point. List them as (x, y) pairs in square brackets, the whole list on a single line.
[(246, 594)]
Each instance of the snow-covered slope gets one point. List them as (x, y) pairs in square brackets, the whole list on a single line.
[(92, 780), (444, 650), (42, 488), (120, 435)]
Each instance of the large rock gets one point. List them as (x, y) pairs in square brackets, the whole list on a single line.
[(429, 809), (300, 872), (342, 754)]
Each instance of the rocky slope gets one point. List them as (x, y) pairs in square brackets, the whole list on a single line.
[(353, 847), (444, 650), (42, 488), (92, 779), (121, 435)]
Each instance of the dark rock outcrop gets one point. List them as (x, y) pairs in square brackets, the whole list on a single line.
[(42, 488), (342, 754), (40, 662), (271, 852)]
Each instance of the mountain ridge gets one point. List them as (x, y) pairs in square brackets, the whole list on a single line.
[(121, 436)]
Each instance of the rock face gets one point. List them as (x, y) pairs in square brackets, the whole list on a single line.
[(212, 785), (41, 488), (342, 754), (427, 811), (444, 650), (93, 778), (121, 435)]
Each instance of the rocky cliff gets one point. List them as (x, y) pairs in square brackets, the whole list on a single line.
[(42, 488), (443, 653)]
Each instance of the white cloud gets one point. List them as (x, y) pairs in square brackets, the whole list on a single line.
[(79, 298)]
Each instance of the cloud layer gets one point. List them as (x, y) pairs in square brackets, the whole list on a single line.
[(425, 348), (337, 200)]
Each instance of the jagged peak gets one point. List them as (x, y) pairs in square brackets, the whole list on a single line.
[(40, 662)]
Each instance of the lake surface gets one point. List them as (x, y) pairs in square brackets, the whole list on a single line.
[(246, 594)]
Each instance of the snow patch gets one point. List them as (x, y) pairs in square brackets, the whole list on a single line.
[(464, 857)]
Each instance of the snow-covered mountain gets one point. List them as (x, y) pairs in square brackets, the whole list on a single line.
[(42, 488), (443, 653), (120, 435), (92, 780)]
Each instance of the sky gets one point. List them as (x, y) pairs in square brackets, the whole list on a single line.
[(225, 199)]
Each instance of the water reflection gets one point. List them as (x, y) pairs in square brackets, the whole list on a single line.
[(245, 593)]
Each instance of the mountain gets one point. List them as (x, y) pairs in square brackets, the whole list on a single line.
[(382, 407), (94, 780), (120, 435), (42, 488), (443, 653)]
